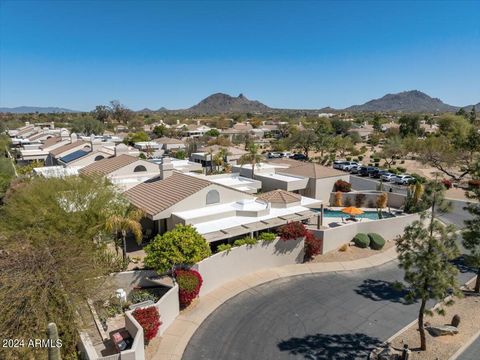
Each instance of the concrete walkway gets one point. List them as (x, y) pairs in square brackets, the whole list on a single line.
[(176, 338)]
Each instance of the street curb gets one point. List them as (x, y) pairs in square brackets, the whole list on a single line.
[(465, 346)]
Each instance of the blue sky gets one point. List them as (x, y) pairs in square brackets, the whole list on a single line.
[(290, 54)]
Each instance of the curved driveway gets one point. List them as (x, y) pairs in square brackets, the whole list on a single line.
[(317, 316)]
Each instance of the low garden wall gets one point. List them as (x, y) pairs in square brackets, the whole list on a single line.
[(225, 266), (389, 228), (168, 307)]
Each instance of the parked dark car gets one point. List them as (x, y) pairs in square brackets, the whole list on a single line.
[(366, 170), (378, 173), (298, 157)]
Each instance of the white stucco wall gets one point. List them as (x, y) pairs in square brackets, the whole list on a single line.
[(198, 200), (389, 228), (324, 187), (225, 266), (168, 307)]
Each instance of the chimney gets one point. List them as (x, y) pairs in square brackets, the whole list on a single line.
[(52, 125), (121, 149), (27, 123), (73, 137), (178, 121), (198, 122), (166, 168)]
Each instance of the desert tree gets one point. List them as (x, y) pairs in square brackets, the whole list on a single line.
[(471, 232), (52, 256), (425, 251)]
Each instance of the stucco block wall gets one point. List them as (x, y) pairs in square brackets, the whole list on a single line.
[(169, 307), (389, 228), (243, 260), (324, 187), (128, 280), (395, 201)]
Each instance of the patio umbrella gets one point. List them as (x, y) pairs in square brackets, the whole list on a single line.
[(352, 211)]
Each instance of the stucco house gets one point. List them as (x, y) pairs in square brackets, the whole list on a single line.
[(305, 178), (218, 212), (124, 170)]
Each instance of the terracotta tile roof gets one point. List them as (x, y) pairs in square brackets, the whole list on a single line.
[(280, 197), (232, 150), (287, 161), (36, 136), (109, 165), (51, 141), (156, 195), (311, 170), (67, 147), (166, 140)]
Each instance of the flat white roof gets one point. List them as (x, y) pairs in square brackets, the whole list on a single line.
[(261, 166), (286, 178), (233, 221), (56, 171)]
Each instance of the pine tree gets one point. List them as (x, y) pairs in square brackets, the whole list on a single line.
[(425, 251), (471, 233)]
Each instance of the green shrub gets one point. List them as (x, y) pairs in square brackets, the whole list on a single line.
[(401, 169), (361, 240), (360, 157), (348, 158), (376, 241), (182, 245), (245, 241), (224, 247), (138, 296), (267, 236)]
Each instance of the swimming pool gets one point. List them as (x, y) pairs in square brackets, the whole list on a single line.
[(372, 215)]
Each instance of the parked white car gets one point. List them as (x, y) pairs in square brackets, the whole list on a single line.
[(388, 177), (347, 165), (355, 169), (403, 179), (338, 163), (285, 154)]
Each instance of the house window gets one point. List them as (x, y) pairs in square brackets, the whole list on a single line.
[(213, 197), (99, 157), (139, 168)]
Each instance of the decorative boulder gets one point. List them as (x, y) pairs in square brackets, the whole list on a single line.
[(377, 242), (455, 320), (361, 240), (442, 330)]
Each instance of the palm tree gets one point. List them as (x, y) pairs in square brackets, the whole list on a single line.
[(220, 158), (127, 220), (252, 157)]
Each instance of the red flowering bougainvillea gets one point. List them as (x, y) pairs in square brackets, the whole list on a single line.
[(447, 183), (149, 319), (292, 231), (189, 284), (343, 186), (313, 246)]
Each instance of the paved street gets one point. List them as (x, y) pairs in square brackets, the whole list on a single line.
[(339, 315), (472, 352)]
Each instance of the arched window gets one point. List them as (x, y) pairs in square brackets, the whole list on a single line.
[(99, 157), (213, 197), (139, 168)]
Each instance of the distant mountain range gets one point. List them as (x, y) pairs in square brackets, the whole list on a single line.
[(34, 109), (219, 103)]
